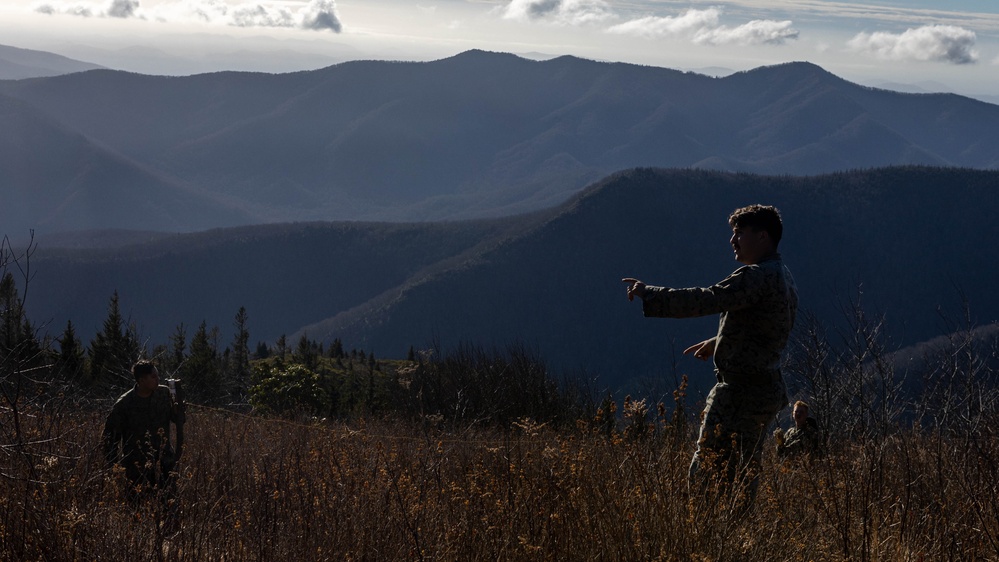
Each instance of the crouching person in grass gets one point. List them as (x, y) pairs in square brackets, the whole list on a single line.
[(756, 305), (137, 437), (802, 440)]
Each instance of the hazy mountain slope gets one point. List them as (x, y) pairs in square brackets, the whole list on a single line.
[(16, 63), (980, 342), (911, 240), (144, 116), (56, 179), (486, 134), (285, 275), (103, 239)]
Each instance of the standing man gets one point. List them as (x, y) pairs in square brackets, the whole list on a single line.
[(137, 436), (757, 304)]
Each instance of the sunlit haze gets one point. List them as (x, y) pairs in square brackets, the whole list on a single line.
[(918, 45)]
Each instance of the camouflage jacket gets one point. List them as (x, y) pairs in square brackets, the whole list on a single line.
[(141, 426), (757, 304), (801, 440)]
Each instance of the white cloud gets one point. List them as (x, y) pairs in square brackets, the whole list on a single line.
[(261, 16), (530, 9), (320, 15), (79, 11), (123, 8), (756, 32), (703, 27), (316, 15), (688, 23), (940, 43), (204, 10), (564, 12)]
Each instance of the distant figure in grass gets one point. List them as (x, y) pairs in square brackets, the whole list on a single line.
[(137, 437), (757, 305), (804, 439)]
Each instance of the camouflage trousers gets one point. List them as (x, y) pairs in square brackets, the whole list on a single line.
[(734, 427)]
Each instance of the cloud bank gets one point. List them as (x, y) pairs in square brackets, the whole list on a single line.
[(704, 27), (566, 12), (315, 15), (700, 26), (938, 43)]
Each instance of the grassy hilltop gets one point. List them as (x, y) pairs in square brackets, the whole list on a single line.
[(459, 468)]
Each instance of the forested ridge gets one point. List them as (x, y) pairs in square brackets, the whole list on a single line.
[(907, 242)]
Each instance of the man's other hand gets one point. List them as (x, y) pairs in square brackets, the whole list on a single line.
[(703, 350)]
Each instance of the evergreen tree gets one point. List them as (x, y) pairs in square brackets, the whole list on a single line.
[(282, 346), (71, 363), (20, 350), (30, 348), (307, 353), (227, 384), (19, 343), (240, 360), (201, 370), (178, 348), (114, 349), (336, 349), (11, 312)]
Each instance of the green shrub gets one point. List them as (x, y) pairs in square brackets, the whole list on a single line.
[(287, 391)]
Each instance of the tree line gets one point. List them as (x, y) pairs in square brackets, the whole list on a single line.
[(855, 381), (304, 378)]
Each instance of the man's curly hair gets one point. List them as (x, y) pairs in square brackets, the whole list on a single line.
[(759, 217)]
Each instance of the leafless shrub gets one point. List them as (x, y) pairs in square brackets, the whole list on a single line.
[(853, 387)]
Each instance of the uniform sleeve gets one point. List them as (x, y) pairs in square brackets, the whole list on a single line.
[(739, 290)]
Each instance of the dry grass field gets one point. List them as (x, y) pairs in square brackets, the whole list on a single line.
[(268, 489)]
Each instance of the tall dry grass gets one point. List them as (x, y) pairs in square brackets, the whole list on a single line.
[(265, 489)]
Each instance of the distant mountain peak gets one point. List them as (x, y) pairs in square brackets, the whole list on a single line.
[(785, 76), (794, 68), (17, 63), (481, 54)]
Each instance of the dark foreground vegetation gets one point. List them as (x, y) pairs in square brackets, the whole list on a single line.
[(305, 453), (265, 489)]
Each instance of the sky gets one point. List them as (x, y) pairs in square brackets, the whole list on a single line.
[(928, 45)]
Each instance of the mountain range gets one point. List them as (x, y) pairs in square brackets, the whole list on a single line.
[(913, 244), (16, 63), (477, 135)]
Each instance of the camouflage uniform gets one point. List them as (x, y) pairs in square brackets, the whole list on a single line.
[(801, 441), (757, 304), (142, 427)]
